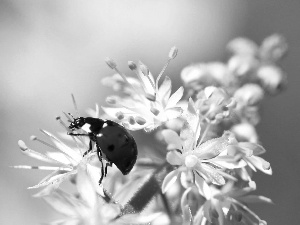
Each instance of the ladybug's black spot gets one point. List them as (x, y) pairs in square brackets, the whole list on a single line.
[(110, 148)]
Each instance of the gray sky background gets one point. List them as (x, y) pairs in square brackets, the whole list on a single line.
[(52, 48)]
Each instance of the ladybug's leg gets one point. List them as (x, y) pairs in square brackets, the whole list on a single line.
[(90, 148), (99, 153), (72, 134), (106, 165)]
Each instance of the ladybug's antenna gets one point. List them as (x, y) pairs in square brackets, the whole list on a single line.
[(75, 106), (67, 115), (71, 116)]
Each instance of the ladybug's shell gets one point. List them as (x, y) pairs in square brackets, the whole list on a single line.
[(118, 145)]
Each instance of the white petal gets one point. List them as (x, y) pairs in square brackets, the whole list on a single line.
[(174, 99), (212, 148), (74, 156), (173, 113), (169, 180), (174, 158), (255, 199), (58, 156), (61, 204), (260, 164), (85, 186), (256, 148), (164, 91), (187, 216), (171, 137), (203, 187), (56, 179)]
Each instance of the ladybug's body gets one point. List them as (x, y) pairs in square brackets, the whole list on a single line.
[(112, 140)]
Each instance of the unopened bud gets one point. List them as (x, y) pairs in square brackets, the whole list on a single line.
[(262, 222), (22, 145), (132, 65), (131, 120), (33, 138), (266, 165), (120, 115), (154, 111), (140, 120), (110, 63), (173, 52), (144, 69)]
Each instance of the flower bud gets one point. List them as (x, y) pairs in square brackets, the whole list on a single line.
[(132, 65), (110, 63), (22, 145), (173, 52), (140, 120)]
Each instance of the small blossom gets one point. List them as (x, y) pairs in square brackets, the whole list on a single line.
[(250, 153), (228, 206), (272, 78), (215, 104), (90, 209), (207, 161), (147, 105), (65, 160)]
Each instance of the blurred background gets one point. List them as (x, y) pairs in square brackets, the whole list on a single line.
[(52, 48)]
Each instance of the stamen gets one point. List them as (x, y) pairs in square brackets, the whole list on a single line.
[(173, 52), (131, 120), (75, 105), (145, 71), (110, 63), (113, 66), (34, 138), (62, 123), (154, 111), (120, 115), (22, 145), (172, 55), (262, 222), (140, 120), (67, 115), (41, 167)]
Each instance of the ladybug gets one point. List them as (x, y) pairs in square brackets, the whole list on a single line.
[(111, 139)]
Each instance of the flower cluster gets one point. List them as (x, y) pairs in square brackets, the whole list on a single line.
[(199, 169)]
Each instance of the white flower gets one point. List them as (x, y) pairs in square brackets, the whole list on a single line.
[(226, 206), (250, 153), (89, 208), (64, 161), (147, 105)]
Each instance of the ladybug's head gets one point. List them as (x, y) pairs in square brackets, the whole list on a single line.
[(77, 123)]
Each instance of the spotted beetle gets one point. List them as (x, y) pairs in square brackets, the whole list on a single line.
[(111, 139)]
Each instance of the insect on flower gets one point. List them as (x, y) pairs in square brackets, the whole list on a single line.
[(111, 139)]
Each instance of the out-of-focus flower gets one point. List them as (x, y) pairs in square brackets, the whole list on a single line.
[(228, 206), (253, 63), (147, 105), (90, 209), (245, 132), (273, 48), (272, 78), (215, 104), (197, 77)]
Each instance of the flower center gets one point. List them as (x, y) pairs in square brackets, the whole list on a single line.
[(190, 161)]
